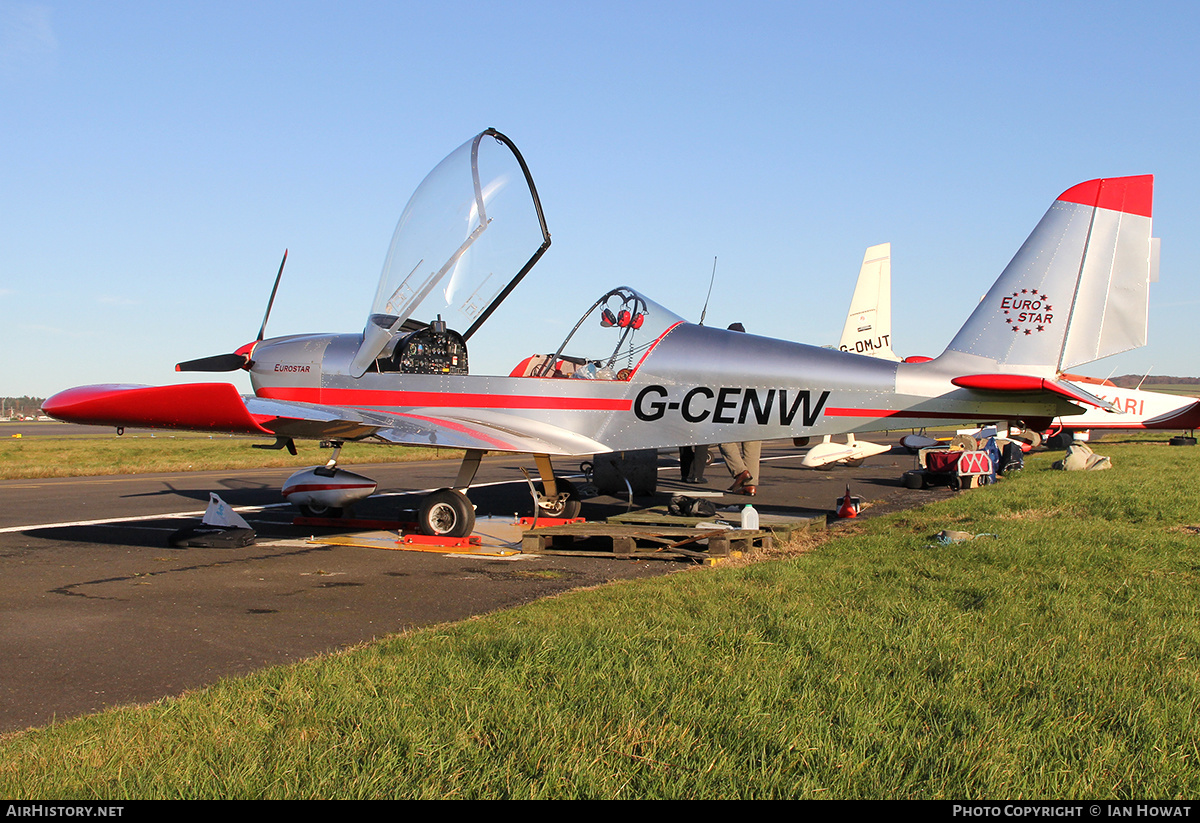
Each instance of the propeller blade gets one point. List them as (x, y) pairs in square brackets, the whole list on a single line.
[(239, 359), (218, 362), (263, 329)]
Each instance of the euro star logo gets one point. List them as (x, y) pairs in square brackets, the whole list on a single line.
[(1027, 311)]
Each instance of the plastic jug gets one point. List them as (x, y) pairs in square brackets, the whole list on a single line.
[(750, 518)]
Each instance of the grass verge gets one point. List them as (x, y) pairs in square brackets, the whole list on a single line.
[(105, 453), (1054, 656)]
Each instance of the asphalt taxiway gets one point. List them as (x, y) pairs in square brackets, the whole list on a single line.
[(98, 611)]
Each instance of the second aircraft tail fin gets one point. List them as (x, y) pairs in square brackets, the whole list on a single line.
[(868, 328)]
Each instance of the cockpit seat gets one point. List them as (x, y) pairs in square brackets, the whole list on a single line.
[(533, 364)]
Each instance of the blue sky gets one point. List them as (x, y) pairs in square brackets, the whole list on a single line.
[(156, 159)]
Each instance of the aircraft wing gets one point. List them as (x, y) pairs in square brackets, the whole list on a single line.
[(219, 407)]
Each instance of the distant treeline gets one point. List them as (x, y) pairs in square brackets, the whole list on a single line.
[(20, 406), (1132, 381)]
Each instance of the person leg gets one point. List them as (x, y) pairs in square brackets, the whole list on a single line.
[(752, 452), (732, 452), (687, 459), (699, 461)]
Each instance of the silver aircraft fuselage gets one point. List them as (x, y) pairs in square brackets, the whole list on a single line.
[(694, 385)]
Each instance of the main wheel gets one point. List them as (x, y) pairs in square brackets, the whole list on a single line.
[(446, 513)]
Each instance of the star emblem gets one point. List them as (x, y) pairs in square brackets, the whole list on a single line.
[(1029, 313)]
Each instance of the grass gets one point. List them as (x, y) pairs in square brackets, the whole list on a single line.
[(104, 453), (1185, 389), (1055, 659)]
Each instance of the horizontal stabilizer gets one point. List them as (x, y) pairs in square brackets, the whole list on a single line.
[(1027, 384)]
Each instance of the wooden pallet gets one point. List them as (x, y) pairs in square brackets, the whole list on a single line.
[(781, 526), (641, 541)]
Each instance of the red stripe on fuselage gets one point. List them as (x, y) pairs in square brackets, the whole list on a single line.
[(885, 413), (367, 398), (325, 487)]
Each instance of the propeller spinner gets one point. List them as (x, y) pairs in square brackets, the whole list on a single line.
[(239, 359)]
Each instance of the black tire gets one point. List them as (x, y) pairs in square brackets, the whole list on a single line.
[(571, 506), (1183, 440), (1058, 442), (914, 480), (446, 513), (329, 512)]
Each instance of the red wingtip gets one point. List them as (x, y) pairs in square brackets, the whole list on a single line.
[(1131, 195), (194, 406)]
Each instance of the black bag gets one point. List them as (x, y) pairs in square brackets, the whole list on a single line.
[(1012, 458), (682, 506), (211, 537)]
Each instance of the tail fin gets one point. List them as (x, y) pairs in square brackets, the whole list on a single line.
[(868, 328), (1078, 289)]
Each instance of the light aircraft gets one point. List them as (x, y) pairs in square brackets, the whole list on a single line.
[(868, 331), (868, 328), (1137, 409), (474, 228)]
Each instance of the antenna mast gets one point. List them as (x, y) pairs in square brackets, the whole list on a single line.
[(710, 285)]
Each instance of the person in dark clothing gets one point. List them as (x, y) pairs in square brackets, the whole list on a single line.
[(692, 460)]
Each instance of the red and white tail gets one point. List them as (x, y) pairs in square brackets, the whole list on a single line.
[(1078, 289)]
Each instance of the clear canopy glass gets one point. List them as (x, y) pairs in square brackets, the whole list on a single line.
[(469, 233)]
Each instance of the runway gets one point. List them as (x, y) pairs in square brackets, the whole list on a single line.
[(98, 611)]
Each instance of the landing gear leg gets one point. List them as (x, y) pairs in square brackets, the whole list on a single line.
[(558, 497), (331, 463), (328, 470)]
